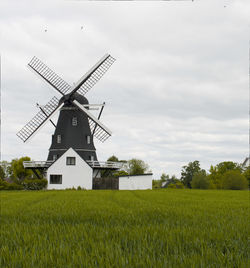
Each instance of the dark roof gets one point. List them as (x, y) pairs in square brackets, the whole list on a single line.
[(136, 175)]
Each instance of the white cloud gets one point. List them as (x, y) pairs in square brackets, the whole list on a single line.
[(177, 92)]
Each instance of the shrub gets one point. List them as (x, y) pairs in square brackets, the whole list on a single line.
[(34, 184), (234, 180), (177, 185), (4, 185), (120, 173), (79, 188), (200, 180)]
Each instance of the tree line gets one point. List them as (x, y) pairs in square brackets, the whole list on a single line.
[(225, 175)]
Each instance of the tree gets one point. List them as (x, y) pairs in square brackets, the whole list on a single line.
[(2, 174), (217, 172), (6, 166), (113, 158), (246, 173), (136, 167), (19, 172), (234, 180), (188, 172), (200, 180)]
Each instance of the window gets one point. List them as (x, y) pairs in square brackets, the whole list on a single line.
[(70, 161), (54, 157), (74, 121), (59, 138), (88, 139), (91, 157), (55, 179)]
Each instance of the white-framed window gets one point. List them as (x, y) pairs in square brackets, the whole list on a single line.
[(91, 157), (70, 161), (59, 139), (55, 179), (88, 139), (74, 121), (54, 157)]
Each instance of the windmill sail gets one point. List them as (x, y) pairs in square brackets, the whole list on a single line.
[(98, 131), (101, 132), (50, 76), (39, 119), (96, 73)]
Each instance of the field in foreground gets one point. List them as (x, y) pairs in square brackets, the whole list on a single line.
[(164, 228)]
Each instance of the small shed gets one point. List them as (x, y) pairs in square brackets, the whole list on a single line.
[(136, 182)]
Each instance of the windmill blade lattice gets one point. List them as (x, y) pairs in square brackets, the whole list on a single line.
[(96, 75), (50, 76), (99, 133), (39, 119)]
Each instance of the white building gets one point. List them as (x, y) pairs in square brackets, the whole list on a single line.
[(71, 170), (136, 182)]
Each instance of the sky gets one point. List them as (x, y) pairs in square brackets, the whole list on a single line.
[(177, 92)]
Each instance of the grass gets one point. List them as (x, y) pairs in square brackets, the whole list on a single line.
[(161, 228)]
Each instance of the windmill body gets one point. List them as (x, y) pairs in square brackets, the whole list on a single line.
[(72, 131)]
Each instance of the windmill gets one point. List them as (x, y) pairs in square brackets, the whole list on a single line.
[(76, 126)]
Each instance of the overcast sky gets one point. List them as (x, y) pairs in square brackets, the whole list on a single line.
[(178, 91)]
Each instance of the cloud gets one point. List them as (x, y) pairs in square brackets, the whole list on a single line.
[(178, 91)]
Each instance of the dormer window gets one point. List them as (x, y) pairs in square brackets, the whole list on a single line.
[(88, 139), (59, 139), (74, 121)]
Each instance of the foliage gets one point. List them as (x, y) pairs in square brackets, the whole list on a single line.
[(2, 174), (136, 167), (246, 173), (234, 180), (6, 166), (4, 185), (34, 184), (120, 173), (164, 228), (156, 184), (217, 172), (113, 158), (18, 169), (176, 185), (188, 172), (200, 180)]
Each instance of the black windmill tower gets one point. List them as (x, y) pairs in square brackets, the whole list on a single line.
[(76, 126)]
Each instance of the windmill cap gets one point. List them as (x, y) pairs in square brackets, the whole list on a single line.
[(76, 96)]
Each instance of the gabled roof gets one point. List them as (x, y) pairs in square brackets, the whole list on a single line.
[(66, 153)]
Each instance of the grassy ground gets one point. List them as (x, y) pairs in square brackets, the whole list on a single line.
[(164, 228)]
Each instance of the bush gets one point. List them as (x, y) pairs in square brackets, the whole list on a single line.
[(34, 184), (177, 185), (234, 180), (156, 184), (120, 173), (4, 185), (200, 180)]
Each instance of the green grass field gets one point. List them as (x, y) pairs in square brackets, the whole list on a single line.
[(159, 228)]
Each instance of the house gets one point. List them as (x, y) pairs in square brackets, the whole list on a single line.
[(69, 171)]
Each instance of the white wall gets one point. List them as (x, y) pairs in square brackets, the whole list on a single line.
[(72, 176), (137, 182)]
